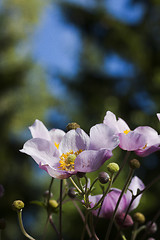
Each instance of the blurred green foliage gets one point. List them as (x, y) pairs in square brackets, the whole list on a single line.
[(24, 97)]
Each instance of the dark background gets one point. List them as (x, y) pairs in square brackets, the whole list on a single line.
[(72, 61)]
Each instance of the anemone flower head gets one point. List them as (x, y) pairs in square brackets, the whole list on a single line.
[(64, 154), (110, 201), (129, 140), (158, 115)]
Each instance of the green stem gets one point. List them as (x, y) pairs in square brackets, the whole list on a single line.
[(83, 217), (73, 182), (85, 224), (60, 210), (134, 233), (119, 199), (122, 166), (80, 183), (48, 211), (19, 213), (53, 225), (92, 227), (95, 180)]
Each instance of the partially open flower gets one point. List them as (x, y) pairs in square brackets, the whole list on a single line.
[(143, 140), (111, 199)]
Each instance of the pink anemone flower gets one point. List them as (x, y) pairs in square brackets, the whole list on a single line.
[(143, 140), (63, 154), (110, 201)]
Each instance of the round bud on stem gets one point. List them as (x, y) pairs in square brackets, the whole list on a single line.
[(139, 217), (53, 204), (103, 177), (72, 125), (113, 167), (134, 163), (151, 227), (46, 194), (17, 205), (80, 174), (2, 223), (71, 192)]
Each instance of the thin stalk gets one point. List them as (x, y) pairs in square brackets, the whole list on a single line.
[(73, 182), (60, 210), (105, 193), (86, 179), (85, 224), (122, 166), (53, 225), (95, 180), (80, 183), (92, 227), (47, 202), (119, 199), (134, 233), (19, 213), (83, 218), (49, 193)]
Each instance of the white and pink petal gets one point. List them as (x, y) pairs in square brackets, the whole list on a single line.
[(38, 130), (102, 136)]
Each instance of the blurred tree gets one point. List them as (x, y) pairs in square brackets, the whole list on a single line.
[(23, 97)]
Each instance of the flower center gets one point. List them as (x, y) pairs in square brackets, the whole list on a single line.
[(67, 160), (126, 131)]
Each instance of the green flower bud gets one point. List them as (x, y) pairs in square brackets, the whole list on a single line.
[(17, 205), (139, 217), (134, 163), (72, 125), (2, 223), (80, 174), (71, 192), (53, 204), (103, 177), (113, 167)]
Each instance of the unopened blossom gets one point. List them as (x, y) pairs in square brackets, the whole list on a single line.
[(64, 154), (110, 201), (143, 140)]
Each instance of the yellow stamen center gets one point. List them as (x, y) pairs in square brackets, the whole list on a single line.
[(67, 160), (126, 131), (145, 146), (56, 144)]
